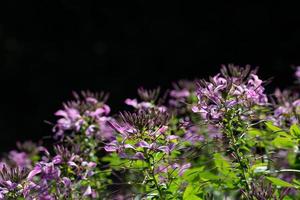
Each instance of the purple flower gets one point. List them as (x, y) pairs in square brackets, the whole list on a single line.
[(91, 165), (47, 171), (88, 191), (183, 168), (180, 93), (11, 181), (66, 181), (149, 100), (192, 134), (71, 119), (85, 116), (234, 87), (159, 131), (112, 147), (90, 130), (161, 169), (122, 128), (286, 108), (57, 159), (167, 149), (91, 100), (105, 131), (98, 112), (138, 156), (143, 144), (20, 159), (2, 165), (220, 82), (132, 102), (172, 137), (297, 73), (36, 170), (142, 105)]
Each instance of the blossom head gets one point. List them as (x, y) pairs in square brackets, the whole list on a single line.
[(141, 133), (12, 181), (182, 96), (87, 114), (233, 87), (286, 108), (149, 100)]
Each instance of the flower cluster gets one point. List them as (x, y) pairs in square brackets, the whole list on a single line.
[(149, 100), (25, 156), (233, 87), (181, 95), (286, 108), (63, 169), (142, 132), (11, 180), (89, 115)]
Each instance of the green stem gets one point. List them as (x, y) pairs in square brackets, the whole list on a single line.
[(242, 164), (156, 185), (152, 174)]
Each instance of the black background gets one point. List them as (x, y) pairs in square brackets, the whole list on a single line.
[(50, 48)]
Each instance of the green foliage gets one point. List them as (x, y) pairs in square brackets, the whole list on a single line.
[(279, 182)]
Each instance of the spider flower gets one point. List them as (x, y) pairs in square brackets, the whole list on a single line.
[(87, 114), (181, 97), (20, 159), (141, 132), (60, 176), (233, 87), (12, 182), (286, 108), (149, 100)]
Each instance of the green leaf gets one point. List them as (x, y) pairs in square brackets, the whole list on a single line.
[(208, 176), (279, 182), (192, 173), (272, 127), (190, 193), (296, 182), (222, 164), (255, 132), (283, 142), (295, 130)]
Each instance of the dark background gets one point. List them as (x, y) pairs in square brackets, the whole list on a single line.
[(50, 48)]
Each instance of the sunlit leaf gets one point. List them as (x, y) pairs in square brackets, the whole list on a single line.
[(295, 130), (283, 142), (190, 193), (279, 182), (272, 127)]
